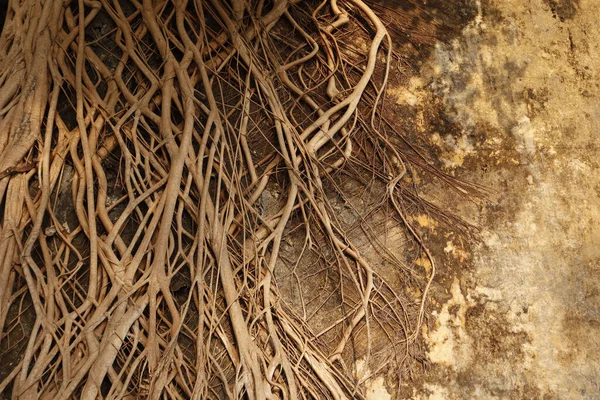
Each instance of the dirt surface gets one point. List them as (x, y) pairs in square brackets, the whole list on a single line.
[(513, 104)]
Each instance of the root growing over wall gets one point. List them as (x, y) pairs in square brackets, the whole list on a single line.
[(158, 126)]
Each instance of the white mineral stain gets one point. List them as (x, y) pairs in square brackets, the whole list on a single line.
[(375, 386), (448, 343)]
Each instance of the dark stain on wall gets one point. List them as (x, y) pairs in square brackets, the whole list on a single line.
[(563, 9), (417, 25), (3, 8)]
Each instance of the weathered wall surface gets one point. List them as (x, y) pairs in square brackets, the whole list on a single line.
[(518, 314)]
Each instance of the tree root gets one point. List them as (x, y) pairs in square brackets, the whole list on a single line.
[(163, 123)]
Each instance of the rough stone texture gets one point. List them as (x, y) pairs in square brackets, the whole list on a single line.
[(518, 313)]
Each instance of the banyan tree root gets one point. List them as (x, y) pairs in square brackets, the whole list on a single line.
[(137, 138)]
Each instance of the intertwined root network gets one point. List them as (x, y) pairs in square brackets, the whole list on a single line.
[(138, 139)]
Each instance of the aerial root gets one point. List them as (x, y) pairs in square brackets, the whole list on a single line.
[(138, 141)]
